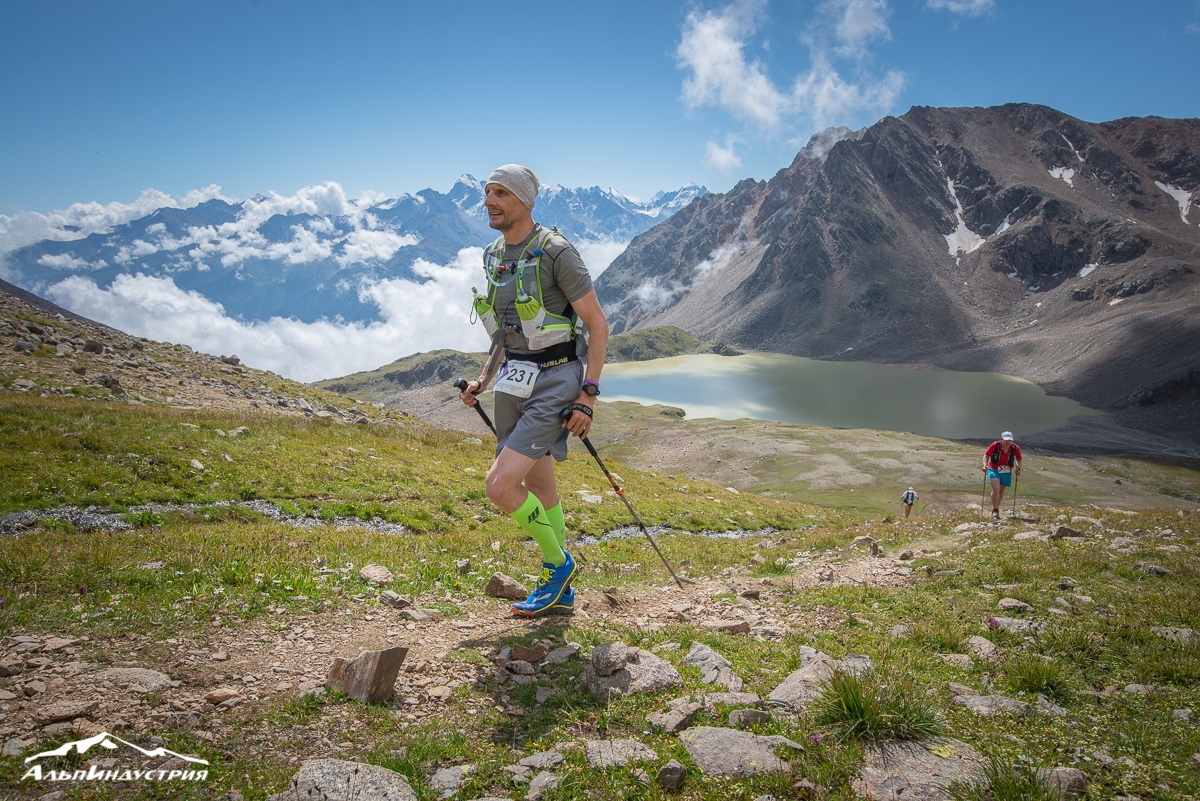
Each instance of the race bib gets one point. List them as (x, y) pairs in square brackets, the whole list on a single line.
[(517, 378), (1002, 469)]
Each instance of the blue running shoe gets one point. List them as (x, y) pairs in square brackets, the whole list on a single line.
[(552, 585), (566, 604)]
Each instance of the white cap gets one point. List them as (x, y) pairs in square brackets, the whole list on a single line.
[(910, 489), (1007, 435)]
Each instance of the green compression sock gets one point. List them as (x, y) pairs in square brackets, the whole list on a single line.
[(534, 520), (555, 515)]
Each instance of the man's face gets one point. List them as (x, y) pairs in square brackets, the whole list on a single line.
[(503, 207)]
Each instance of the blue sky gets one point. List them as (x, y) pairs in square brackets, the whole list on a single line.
[(103, 101)]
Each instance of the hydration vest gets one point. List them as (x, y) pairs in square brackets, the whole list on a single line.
[(541, 328), (909, 497), (995, 457)]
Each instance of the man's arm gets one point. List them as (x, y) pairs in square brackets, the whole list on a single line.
[(589, 311)]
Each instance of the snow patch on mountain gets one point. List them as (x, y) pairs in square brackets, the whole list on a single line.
[(1182, 197), (1064, 174), (962, 238)]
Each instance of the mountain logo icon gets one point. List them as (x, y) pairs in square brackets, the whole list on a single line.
[(111, 742)]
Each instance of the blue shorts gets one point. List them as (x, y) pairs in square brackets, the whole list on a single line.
[(1004, 478)]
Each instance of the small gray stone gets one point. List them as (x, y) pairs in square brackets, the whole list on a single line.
[(1071, 782), (542, 782), (64, 710), (376, 574), (988, 705), (502, 586), (1184, 636), (543, 760), (671, 775), (714, 668), (616, 753), (447, 780), (1013, 605), (1048, 707), (520, 667), (726, 626), (675, 720), (983, 649), (395, 601), (15, 747), (854, 665), (561, 655), (745, 718), (147, 680)]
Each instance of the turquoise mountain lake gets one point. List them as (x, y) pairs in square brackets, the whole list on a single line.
[(789, 389)]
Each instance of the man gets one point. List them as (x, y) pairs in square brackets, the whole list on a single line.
[(908, 499), (538, 292), (1000, 461)]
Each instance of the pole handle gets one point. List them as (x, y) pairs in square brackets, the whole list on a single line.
[(461, 384)]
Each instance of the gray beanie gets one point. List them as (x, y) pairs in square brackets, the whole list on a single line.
[(517, 179)]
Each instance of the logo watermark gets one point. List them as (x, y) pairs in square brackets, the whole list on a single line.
[(95, 773)]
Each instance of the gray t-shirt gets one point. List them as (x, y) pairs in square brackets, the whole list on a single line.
[(564, 276)]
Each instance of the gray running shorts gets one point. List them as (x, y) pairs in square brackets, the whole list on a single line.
[(531, 426)]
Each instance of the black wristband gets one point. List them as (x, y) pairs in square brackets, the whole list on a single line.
[(579, 407)]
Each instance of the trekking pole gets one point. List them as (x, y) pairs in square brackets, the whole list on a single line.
[(983, 497), (1016, 483), (564, 414), (461, 384)]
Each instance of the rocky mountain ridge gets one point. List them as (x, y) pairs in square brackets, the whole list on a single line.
[(48, 351), (1013, 239)]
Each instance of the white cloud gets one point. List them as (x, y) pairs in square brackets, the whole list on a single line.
[(827, 97), (62, 261), (658, 292), (598, 254), (972, 8), (655, 293), (712, 48), (414, 317), (858, 23), (363, 245), (721, 158), (839, 86), (83, 219), (304, 248)]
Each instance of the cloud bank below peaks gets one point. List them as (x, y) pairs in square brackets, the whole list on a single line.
[(414, 317)]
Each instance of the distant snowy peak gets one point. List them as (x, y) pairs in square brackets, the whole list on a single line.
[(664, 204), (467, 193)]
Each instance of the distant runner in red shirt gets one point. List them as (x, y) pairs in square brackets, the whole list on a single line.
[(1001, 460)]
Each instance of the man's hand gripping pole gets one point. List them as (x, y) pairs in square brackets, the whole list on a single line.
[(489, 370)]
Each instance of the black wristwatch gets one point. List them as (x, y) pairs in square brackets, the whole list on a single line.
[(590, 387)]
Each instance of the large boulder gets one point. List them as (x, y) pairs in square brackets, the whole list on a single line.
[(617, 669), (729, 752), (916, 771), (339, 780), (803, 686)]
